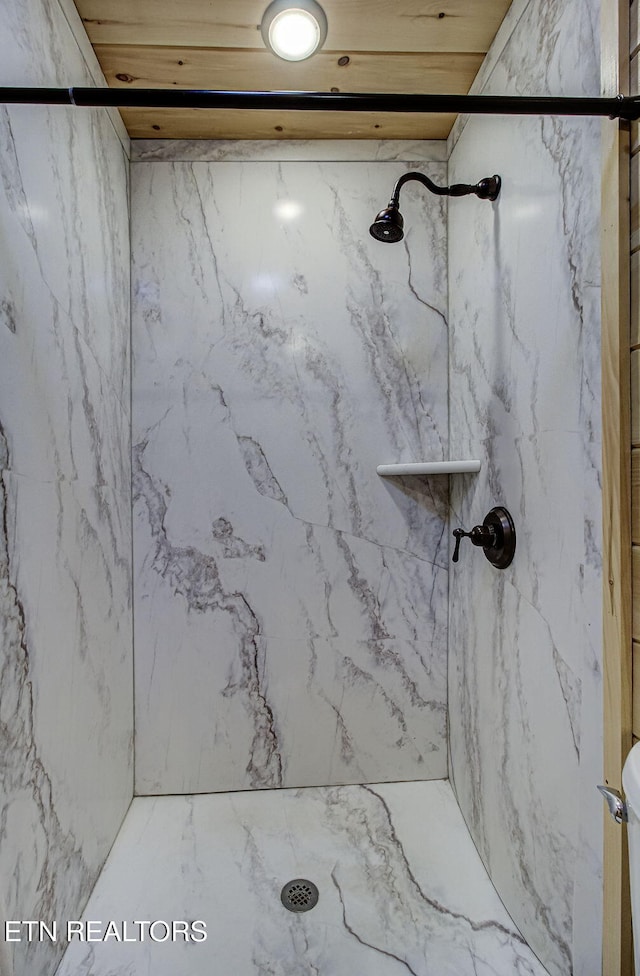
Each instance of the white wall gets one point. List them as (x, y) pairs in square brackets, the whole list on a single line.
[(525, 643), (65, 565), (290, 605)]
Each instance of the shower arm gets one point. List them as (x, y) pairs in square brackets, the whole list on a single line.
[(487, 188)]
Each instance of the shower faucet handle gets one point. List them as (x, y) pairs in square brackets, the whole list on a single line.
[(459, 534), (480, 535), (496, 535)]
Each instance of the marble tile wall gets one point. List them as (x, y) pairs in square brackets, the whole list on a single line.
[(290, 606), (525, 644), (65, 554)]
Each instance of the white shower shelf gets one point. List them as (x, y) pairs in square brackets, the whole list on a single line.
[(428, 467)]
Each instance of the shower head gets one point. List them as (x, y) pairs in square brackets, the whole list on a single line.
[(387, 227)]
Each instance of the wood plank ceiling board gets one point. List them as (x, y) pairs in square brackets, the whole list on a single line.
[(175, 123), (372, 46)]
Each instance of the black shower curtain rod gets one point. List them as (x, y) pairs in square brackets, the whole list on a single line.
[(619, 107)]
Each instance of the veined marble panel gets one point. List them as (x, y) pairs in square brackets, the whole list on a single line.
[(64, 330), (66, 684), (62, 416), (291, 150), (65, 564), (65, 180), (281, 354), (402, 889), (525, 645)]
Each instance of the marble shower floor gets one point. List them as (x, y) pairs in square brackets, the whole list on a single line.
[(402, 889)]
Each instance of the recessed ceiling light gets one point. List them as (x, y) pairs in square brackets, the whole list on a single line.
[(294, 29)]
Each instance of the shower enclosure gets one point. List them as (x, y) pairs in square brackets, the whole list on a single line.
[(318, 693)]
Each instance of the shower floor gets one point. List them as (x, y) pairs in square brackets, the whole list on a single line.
[(402, 888)]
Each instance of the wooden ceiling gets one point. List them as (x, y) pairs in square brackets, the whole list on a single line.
[(372, 46)]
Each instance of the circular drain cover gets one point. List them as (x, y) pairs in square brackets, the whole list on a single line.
[(299, 895)]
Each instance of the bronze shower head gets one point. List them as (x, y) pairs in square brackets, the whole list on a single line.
[(388, 225)]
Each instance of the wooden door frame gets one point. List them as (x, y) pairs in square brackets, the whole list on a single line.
[(617, 959)]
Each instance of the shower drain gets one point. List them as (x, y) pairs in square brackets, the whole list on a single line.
[(299, 895)]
